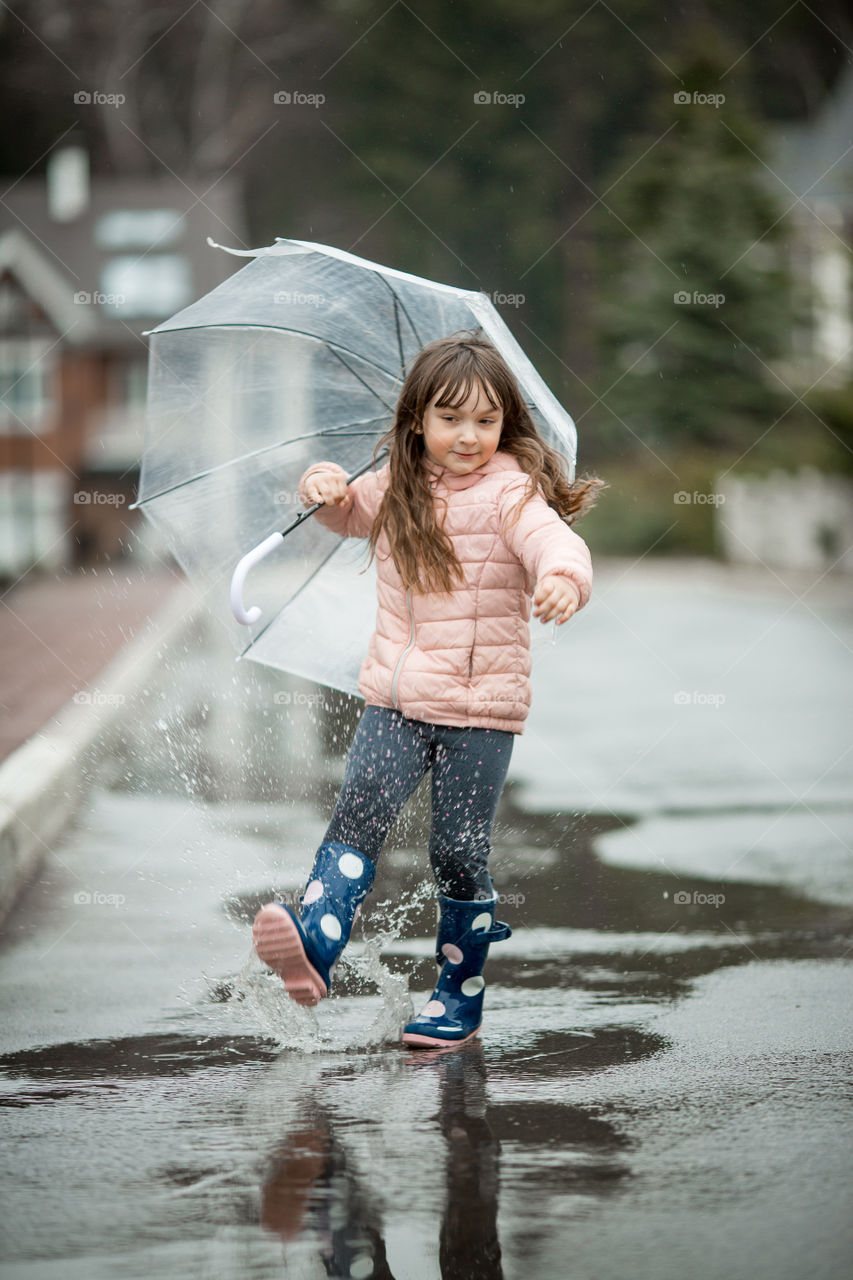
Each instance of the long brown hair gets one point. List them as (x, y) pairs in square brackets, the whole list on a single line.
[(454, 366)]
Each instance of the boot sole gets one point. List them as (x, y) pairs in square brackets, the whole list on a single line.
[(276, 940), (416, 1041)]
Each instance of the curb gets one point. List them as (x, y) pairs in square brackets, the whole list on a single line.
[(44, 782)]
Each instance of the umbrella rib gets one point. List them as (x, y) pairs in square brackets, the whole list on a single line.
[(337, 353), (398, 301), (223, 466), (399, 333)]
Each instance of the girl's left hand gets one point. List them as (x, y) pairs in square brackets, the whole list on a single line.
[(555, 597)]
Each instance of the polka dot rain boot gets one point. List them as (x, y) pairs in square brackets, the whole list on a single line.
[(304, 949), (454, 1011)]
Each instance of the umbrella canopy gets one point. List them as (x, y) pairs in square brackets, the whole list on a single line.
[(297, 358)]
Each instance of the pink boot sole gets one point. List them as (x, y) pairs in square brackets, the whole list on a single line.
[(433, 1042), (277, 942)]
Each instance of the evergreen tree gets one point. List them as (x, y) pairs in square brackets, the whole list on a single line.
[(695, 301)]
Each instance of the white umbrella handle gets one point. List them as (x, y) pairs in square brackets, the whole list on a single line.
[(238, 579)]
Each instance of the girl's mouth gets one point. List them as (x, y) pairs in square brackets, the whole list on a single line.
[(466, 455)]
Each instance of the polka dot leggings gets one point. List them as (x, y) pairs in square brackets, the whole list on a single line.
[(389, 756)]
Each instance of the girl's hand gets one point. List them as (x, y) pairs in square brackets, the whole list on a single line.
[(328, 487), (555, 597)]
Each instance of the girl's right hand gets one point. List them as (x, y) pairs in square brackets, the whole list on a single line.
[(327, 487)]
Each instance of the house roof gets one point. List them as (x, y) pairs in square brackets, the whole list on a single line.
[(132, 257), (815, 158)]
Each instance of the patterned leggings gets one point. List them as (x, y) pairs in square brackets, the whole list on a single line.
[(389, 756)]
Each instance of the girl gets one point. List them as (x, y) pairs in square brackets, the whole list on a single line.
[(467, 520)]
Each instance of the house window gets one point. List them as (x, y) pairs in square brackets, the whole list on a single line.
[(152, 285), (26, 366), (139, 229)]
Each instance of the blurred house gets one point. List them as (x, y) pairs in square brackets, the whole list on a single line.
[(87, 264), (803, 519), (811, 166)]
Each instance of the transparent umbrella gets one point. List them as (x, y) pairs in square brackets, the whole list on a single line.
[(296, 358)]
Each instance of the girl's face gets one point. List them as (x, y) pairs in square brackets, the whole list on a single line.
[(464, 438)]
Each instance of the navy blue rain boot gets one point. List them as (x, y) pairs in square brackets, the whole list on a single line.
[(454, 1011), (304, 949)]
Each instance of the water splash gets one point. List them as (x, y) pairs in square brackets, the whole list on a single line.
[(338, 1024)]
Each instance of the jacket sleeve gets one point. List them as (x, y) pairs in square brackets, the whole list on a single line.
[(355, 519), (542, 541)]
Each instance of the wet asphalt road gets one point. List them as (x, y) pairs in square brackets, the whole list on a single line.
[(661, 1087)]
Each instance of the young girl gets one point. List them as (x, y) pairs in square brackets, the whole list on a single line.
[(467, 520)]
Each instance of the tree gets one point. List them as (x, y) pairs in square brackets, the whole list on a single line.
[(695, 299)]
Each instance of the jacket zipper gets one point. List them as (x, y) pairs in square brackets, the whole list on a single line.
[(409, 647)]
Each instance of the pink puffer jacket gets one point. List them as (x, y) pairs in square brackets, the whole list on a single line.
[(462, 658)]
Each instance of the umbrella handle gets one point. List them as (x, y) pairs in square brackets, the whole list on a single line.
[(238, 579)]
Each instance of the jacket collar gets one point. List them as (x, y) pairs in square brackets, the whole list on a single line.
[(499, 461)]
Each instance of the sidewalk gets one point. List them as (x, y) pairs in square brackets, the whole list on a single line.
[(58, 633), (72, 649)]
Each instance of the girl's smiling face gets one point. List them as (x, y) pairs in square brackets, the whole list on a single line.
[(463, 438)]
